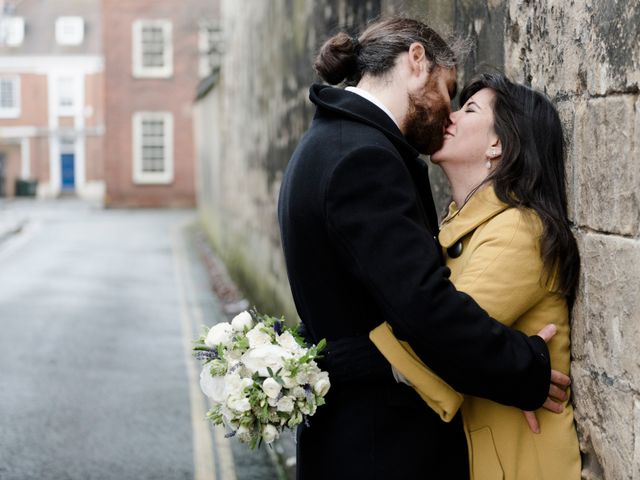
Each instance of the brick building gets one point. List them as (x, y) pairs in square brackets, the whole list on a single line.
[(51, 96), (154, 52)]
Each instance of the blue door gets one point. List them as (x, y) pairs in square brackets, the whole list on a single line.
[(68, 171)]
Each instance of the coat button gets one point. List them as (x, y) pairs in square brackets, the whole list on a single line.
[(455, 250)]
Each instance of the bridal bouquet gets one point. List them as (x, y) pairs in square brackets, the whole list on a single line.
[(260, 376)]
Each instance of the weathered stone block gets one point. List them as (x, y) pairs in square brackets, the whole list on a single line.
[(604, 411), (483, 23), (605, 329), (572, 47), (636, 431), (606, 317), (607, 172), (568, 110)]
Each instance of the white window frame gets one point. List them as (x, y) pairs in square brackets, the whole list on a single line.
[(11, 31), (139, 175), (12, 112), (69, 31), (139, 69), (65, 110)]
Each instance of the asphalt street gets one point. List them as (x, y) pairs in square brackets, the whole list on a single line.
[(97, 312)]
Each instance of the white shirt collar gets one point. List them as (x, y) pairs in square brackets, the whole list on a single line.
[(366, 95)]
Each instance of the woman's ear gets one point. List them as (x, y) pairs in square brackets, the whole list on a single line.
[(495, 149)]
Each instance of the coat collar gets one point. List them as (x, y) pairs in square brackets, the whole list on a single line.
[(355, 107), (482, 206)]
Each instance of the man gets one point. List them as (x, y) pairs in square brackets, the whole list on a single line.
[(359, 230)]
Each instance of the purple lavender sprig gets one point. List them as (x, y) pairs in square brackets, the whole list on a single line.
[(308, 392), (206, 355), (277, 327)]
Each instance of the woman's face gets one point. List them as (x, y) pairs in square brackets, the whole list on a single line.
[(470, 137)]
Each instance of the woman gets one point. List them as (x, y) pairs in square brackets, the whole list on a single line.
[(507, 241)]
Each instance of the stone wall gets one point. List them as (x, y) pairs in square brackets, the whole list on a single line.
[(584, 54), (250, 123)]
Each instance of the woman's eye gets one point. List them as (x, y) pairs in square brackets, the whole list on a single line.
[(469, 110)]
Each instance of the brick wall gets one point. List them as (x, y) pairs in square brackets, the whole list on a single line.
[(126, 95), (33, 102)]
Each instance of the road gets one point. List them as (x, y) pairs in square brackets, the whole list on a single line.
[(97, 312)]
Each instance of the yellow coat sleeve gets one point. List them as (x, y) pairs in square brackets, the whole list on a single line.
[(503, 274)]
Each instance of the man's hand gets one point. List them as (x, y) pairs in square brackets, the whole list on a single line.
[(557, 389)]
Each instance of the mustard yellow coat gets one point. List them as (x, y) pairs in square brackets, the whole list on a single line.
[(501, 268)]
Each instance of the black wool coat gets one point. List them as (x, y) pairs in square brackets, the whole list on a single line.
[(359, 228)]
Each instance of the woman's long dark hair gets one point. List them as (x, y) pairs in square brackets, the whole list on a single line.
[(531, 172)]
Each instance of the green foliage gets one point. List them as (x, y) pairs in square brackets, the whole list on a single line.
[(215, 415), (242, 342)]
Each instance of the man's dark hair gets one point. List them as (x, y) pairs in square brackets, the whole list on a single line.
[(346, 58)]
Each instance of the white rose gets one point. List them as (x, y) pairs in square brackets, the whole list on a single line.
[(239, 404), (234, 385), (289, 381), (285, 404), (298, 392), (257, 337), (272, 402), (271, 387), (302, 378), (241, 321), (287, 341), (221, 333), (265, 356), (321, 387), (269, 433), (232, 356), (313, 375), (213, 387)]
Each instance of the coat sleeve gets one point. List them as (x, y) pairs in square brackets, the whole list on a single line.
[(504, 274), (435, 392), (372, 218)]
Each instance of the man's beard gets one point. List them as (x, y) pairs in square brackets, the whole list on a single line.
[(425, 124)]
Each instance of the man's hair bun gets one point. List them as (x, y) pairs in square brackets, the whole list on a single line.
[(338, 59)]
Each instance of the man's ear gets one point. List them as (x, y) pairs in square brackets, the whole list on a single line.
[(417, 58)]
